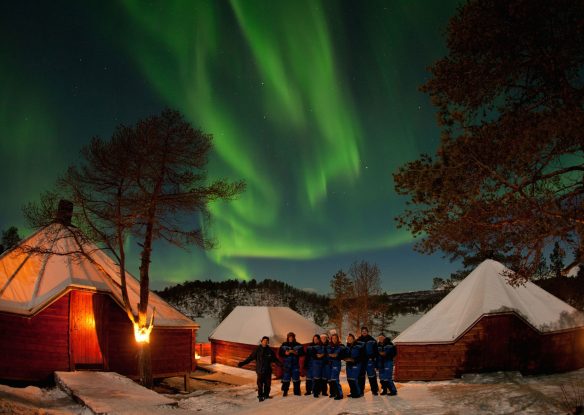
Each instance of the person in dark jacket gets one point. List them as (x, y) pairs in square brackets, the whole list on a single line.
[(368, 362), (387, 354), (290, 352), (264, 357), (353, 363)]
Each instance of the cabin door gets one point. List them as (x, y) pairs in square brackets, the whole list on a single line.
[(85, 330)]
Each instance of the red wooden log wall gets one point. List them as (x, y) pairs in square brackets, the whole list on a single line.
[(32, 348), (495, 342)]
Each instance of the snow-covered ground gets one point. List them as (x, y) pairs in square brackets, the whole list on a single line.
[(497, 393)]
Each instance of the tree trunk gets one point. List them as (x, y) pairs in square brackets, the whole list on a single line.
[(145, 365)]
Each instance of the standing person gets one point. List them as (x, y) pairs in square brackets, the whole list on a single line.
[(264, 357), (388, 353), (326, 369), (316, 360), (308, 367), (369, 361), (353, 365), (379, 363), (335, 352), (290, 351)]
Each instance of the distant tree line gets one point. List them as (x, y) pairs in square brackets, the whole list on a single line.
[(356, 299), (219, 298)]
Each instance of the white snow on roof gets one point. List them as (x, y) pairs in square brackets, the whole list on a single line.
[(248, 325), (486, 291), (30, 281)]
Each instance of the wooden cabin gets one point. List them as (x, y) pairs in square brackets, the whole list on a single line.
[(63, 313), (487, 325), (240, 333)]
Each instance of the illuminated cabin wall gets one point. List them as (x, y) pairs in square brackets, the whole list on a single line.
[(86, 330)]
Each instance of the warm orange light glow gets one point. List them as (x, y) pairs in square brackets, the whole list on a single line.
[(197, 357), (142, 334)]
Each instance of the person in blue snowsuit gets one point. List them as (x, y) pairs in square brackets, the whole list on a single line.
[(353, 365), (317, 354), (290, 352), (369, 361), (326, 369), (335, 352), (387, 353), (308, 365)]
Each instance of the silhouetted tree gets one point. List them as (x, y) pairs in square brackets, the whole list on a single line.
[(557, 260), (366, 283), (508, 173), (343, 290), (10, 239), (383, 315), (149, 181)]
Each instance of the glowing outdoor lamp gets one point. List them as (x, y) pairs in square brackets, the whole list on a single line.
[(142, 334)]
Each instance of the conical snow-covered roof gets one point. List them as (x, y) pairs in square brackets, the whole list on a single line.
[(30, 281), (248, 325), (486, 291)]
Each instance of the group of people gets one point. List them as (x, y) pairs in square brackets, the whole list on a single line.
[(364, 357)]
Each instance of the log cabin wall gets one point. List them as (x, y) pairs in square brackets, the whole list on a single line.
[(171, 349), (32, 348), (495, 342)]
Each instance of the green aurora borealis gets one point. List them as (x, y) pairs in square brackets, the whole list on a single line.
[(313, 103)]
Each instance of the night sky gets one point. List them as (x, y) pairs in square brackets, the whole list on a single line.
[(313, 103)]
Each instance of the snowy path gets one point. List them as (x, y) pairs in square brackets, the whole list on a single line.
[(497, 393)]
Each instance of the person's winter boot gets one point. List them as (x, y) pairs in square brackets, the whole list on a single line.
[(285, 387), (383, 388), (374, 386), (338, 390), (308, 387), (296, 385), (316, 387), (334, 391), (323, 387)]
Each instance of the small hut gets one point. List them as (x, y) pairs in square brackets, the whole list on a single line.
[(240, 333), (485, 324), (64, 312)]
